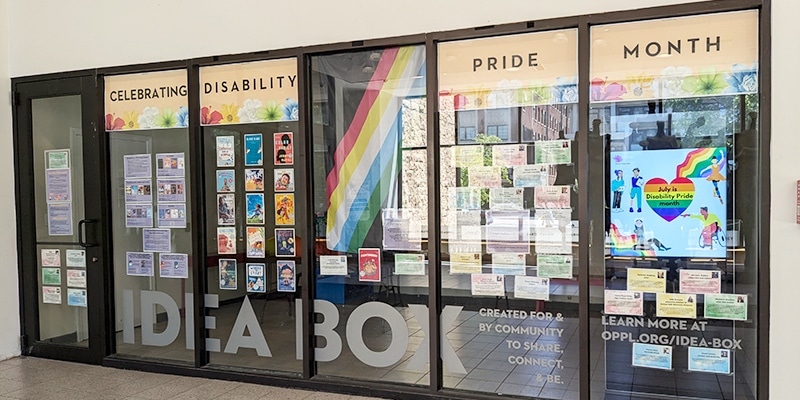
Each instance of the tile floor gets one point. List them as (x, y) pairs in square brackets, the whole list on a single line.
[(40, 379)]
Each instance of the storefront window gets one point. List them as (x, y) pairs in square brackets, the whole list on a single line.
[(370, 204), (147, 122), (674, 109), (254, 203), (508, 214)]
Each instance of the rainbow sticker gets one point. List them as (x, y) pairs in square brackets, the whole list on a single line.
[(669, 200), (698, 162)]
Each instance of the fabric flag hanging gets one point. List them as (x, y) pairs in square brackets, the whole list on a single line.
[(365, 162)]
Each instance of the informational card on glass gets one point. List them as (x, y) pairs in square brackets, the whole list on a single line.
[(531, 175), (468, 156), (532, 287), (138, 191), (409, 264), (552, 231), (173, 265), (508, 231), (402, 229), (172, 215), (51, 276), (156, 240), (553, 152), (647, 280), (509, 155), (508, 264), (172, 190), (506, 199), (137, 166), (51, 295), (484, 177), (623, 302), (652, 356), (59, 219), (57, 159), (76, 278), (488, 285), (703, 359), (554, 266), (138, 216), (550, 197), (58, 184), (725, 306), (76, 297), (139, 264), (256, 278), (700, 281), (170, 164), (465, 263), (76, 258), (466, 233), (51, 257), (676, 305), (333, 265), (465, 198), (674, 203)]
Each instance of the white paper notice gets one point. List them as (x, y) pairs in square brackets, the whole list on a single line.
[(51, 295), (505, 199), (531, 287), (488, 285), (76, 278), (332, 265), (51, 257), (508, 263), (531, 175)]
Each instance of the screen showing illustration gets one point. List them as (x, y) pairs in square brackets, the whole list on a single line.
[(668, 203)]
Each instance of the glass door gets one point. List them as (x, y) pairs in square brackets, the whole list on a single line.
[(60, 212)]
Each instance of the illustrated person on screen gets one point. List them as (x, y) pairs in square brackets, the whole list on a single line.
[(636, 190), (642, 243), (618, 187), (711, 225), (715, 176)]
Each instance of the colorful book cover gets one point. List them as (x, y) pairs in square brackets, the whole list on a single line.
[(369, 265), (255, 208), (253, 154), (284, 209), (226, 180), (226, 240), (284, 180), (225, 155), (284, 148), (284, 242), (255, 241), (226, 209), (227, 274), (255, 278), (286, 276), (254, 180)]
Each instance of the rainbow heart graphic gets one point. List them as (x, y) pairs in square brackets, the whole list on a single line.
[(669, 199)]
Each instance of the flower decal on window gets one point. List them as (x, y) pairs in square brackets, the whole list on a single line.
[(708, 81), (249, 111), (114, 123), (271, 112), (291, 111), (230, 114), (182, 116), (742, 79), (602, 91), (208, 117), (564, 91), (131, 120)]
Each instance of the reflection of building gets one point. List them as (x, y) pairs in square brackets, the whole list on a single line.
[(546, 121), (541, 122)]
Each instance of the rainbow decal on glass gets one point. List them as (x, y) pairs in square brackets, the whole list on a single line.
[(698, 163), (366, 160), (669, 199), (625, 245)]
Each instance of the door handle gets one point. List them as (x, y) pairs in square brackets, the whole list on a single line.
[(81, 224)]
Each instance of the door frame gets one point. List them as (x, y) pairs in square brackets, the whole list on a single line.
[(96, 208)]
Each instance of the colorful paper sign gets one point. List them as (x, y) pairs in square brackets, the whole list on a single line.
[(676, 305), (284, 148), (286, 276), (698, 281), (725, 306), (228, 274), (652, 356), (369, 265), (139, 264), (510, 71), (488, 285), (252, 92), (226, 240), (647, 280), (284, 242), (153, 100), (531, 287), (256, 279), (675, 57), (623, 302), (703, 359)]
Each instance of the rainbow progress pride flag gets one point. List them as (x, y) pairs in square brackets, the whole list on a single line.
[(366, 159)]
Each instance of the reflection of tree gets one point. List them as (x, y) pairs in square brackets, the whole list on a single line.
[(505, 178)]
